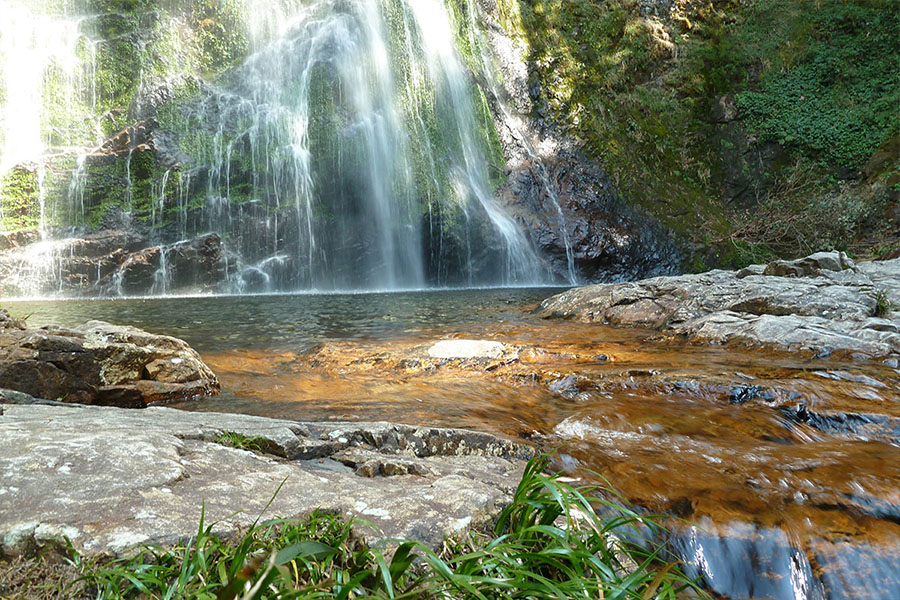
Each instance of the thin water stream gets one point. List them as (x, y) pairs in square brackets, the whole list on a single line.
[(783, 469)]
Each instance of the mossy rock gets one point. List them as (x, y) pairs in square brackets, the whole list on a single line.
[(815, 92), (108, 26), (19, 199)]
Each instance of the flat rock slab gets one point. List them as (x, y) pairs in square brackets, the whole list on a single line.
[(110, 479), (821, 303)]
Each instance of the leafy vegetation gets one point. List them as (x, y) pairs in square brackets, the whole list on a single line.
[(19, 194), (703, 112), (220, 37), (550, 542), (883, 304), (835, 93)]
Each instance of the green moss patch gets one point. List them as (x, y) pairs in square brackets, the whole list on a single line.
[(19, 208)]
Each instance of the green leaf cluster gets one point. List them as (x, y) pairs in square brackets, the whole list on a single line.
[(220, 35), (19, 200), (836, 95)]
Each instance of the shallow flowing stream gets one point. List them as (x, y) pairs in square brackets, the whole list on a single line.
[(782, 469)]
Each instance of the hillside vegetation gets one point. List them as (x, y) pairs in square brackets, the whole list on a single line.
[(750, 128)]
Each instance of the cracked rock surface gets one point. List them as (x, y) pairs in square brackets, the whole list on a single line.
[(822, 303), (110, 479)]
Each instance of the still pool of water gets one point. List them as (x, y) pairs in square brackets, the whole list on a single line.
[(785, 468), (289, 321)]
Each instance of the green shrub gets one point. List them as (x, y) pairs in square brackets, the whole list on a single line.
[(836, 98), (220, 35)]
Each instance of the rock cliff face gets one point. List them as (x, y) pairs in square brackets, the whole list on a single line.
[(574, 214), (822, 303), (725, 119), (99, 363), (117, 261), (560, 195)]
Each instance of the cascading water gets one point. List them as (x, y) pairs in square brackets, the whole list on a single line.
[(319, 111), (32, 45), (330, 115), (347, 149), (40, 72), (434, 25), (485, 65)]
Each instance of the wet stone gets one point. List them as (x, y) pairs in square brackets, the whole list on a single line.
[(745, 393), (100, 363)]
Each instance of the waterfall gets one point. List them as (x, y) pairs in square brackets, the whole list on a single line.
[(327, 144), (31, 44), (444, 67), (40, 71), (515, 125)]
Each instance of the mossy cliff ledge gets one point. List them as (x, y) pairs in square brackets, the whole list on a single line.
[(560, 193), (752, 130)]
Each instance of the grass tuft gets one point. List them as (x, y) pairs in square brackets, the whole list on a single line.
[(233, 439), (883, 304)]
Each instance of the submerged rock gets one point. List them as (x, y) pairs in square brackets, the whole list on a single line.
[(823, 302), (100, 363), (466, 349), (110, 479)]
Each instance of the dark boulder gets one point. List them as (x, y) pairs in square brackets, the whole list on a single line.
[(571, 211)]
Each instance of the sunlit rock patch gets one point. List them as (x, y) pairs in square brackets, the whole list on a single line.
[(110, 479), (822, 303)]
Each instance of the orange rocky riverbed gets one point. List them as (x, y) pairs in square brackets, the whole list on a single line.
[(756, 442)]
